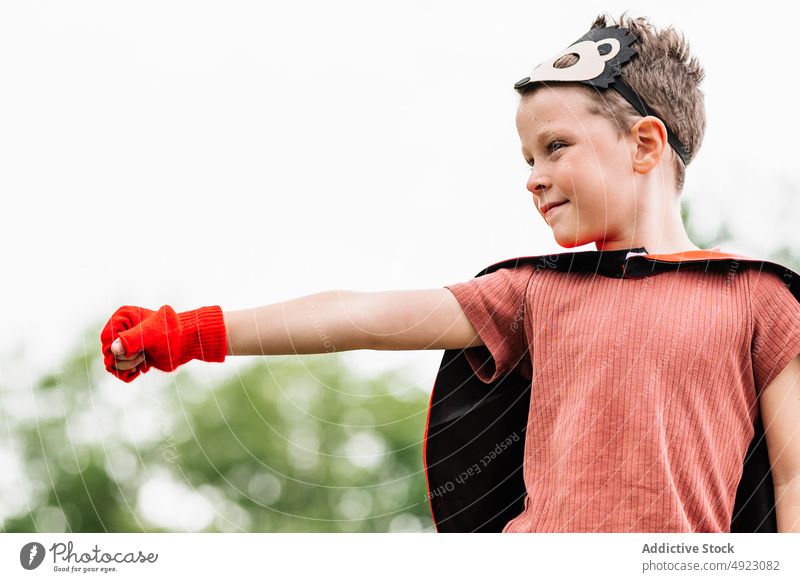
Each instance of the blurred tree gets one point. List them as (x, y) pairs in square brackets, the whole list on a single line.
[(287, 444), (784, 254)]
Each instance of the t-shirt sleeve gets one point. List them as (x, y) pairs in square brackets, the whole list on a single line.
[(776, 325), (495, 306)]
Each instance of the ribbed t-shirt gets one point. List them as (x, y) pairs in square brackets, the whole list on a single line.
[(644, 390)]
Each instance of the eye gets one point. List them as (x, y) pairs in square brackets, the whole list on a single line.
[(552, 147)]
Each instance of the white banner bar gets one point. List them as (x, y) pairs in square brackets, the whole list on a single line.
[(371, 557)]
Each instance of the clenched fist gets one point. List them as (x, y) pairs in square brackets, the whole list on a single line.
[(136, 339)]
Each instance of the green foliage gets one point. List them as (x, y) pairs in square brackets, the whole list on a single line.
[(286, 444), (784, 254)]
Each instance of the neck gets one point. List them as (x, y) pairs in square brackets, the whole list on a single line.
[(653, 246), (658, 228)]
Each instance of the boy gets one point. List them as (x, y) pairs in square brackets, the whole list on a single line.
[(623, 389)]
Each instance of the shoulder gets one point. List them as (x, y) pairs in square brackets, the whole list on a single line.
[(499, 285), (511, 271), (767, 283)]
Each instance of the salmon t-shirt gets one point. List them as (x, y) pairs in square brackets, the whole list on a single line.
[(644, 390)]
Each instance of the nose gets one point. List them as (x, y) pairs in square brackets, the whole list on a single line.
[(538, 182)]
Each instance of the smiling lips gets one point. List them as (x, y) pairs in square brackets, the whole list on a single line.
[(548, 207)]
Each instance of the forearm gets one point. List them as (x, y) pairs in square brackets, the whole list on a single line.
[(336, 321), (787, 506), (313, 324)]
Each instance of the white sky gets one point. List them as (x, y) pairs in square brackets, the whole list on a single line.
[(244, 153)]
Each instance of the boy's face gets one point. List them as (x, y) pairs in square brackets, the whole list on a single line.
[(579, 158)]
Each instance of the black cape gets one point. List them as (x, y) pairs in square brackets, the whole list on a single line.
[(468, 418)]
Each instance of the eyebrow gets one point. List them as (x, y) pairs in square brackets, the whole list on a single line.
[(549, 133)]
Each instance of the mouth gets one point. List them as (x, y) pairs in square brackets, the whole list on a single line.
[(548, 208)]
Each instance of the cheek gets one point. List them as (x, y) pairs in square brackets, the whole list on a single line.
[(586, 187), (582, 172), (598, 185)]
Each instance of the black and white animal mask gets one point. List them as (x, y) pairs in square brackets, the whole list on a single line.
[(601, 53)]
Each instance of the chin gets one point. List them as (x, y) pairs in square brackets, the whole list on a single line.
[(570, 242), (567, 245)]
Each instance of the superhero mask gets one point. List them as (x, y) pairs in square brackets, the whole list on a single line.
[(602, 53)]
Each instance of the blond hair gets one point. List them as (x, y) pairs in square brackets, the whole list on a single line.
[(665, 75)]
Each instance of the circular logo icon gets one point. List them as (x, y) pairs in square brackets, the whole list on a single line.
[(31, 555)]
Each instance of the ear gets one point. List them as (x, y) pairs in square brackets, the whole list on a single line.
[(649, 140)]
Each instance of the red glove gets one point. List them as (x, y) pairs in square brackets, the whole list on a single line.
[(166, 338)]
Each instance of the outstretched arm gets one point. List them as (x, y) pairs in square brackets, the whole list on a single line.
[(335, 321)]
